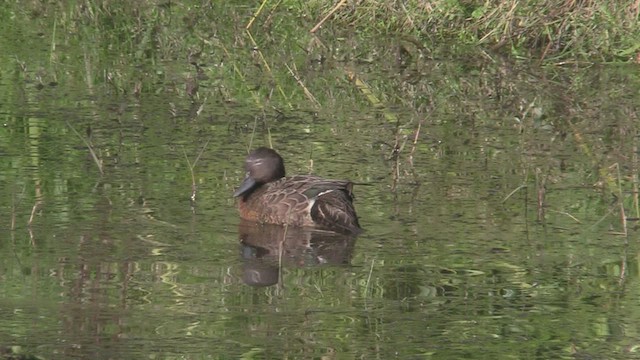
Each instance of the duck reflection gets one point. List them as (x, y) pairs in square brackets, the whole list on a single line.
[(266, 248)]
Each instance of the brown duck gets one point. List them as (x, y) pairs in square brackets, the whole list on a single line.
[(267, 196)]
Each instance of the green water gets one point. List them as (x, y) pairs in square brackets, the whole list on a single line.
[(491, 193)]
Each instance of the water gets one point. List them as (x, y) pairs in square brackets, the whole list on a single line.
[(492, 217)]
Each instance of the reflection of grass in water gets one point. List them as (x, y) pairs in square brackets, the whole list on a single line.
[(194, 186), (87, 143), (17, 352)]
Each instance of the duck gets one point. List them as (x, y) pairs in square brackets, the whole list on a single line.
[(266, 195)]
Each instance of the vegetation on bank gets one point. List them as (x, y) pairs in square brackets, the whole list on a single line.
[(547, 30)]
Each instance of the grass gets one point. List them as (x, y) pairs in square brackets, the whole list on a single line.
[(547, 30)]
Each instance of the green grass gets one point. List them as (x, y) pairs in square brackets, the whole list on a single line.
[(547, 30)]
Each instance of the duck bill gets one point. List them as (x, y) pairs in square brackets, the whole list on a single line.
[(246, 185)]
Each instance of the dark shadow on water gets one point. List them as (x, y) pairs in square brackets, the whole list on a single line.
[(265, 249)]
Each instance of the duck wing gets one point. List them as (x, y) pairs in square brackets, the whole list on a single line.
[(307, 200), (333, 206)]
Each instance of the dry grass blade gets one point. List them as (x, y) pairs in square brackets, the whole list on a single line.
[(634, 177), (36, 205), (307, 93), (623, 216), (13, 213), (194, 187), (91, 150), (582, 145), (256, 14), (366, 90), (281, 245), (241, 76), (333, 10), (267, 67), (366, 287), (567, 214), (415, 142), (523, 186)]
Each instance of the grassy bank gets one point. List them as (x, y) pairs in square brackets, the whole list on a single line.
[(548, 30)]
